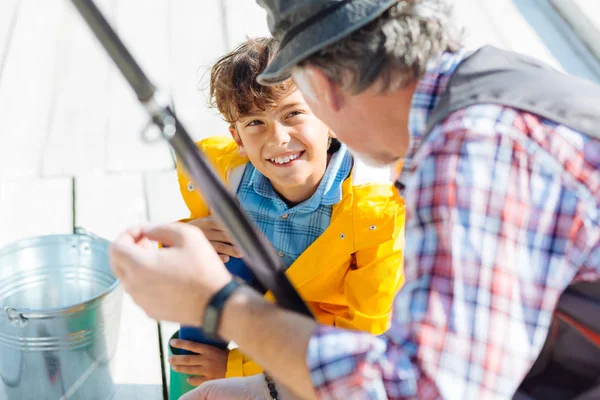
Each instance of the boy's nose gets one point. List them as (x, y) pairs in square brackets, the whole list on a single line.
[(279, 135)]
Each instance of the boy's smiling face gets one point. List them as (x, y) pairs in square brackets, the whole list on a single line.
[(287, 144)]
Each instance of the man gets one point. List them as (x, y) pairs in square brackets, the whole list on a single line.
[(502, 209)]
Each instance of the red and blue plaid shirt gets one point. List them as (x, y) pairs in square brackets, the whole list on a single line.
[(502, 214)]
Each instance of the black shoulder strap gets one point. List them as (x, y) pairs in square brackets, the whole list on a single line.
[(491, 75)]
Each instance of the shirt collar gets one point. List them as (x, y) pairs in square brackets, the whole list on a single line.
[(427, 95)]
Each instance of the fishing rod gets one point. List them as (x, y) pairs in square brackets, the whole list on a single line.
[(259, 255)]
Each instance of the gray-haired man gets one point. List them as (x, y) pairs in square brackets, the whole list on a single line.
[(502, 190)]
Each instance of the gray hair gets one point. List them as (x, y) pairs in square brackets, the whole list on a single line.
[(393, 50)]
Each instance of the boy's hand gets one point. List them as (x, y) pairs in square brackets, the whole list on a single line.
[(218, 237), (208, 363)]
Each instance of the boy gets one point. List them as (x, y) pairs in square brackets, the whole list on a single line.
[(337, 225)]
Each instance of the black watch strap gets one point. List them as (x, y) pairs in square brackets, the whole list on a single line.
[(212, 314)]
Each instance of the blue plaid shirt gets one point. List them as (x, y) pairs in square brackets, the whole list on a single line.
[(293, 230)]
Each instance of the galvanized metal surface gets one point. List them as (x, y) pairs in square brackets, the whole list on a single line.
[(59, 328)]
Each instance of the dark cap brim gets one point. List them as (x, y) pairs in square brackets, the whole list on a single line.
[(334, 26)]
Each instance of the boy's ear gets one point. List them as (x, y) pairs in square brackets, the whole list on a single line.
[(236, 137)]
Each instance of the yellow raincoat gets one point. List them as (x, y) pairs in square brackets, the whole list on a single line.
[(351, 273)]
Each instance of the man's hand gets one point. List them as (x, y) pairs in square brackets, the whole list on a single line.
[(208, 363), (176, 283), (217, 236), (173, 283)]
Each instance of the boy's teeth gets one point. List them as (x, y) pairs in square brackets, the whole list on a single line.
[(285, 159)]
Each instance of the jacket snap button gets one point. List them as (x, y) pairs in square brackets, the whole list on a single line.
[(191, 187), (372, 227), (342, 236)]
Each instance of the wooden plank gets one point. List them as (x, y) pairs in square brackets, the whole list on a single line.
[(244, 19), (165, 203), (106, 205), (143, 27), (109, 204), (32, 207), (27, 86), (167, 329), (197, 40), (77, 139), (8, 14), (138, 372)]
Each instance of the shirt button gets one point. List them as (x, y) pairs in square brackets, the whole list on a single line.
[(281, 253), (284, 216)]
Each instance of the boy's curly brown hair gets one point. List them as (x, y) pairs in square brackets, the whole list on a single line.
[(233, 87)]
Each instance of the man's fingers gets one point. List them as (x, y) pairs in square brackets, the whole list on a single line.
[(171, 234), (131, 236), (122, 248), (120, 255), (130, 250), (116, 263)]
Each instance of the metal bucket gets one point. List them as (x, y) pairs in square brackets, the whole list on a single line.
[(60, 309)]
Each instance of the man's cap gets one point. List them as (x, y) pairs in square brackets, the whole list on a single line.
[(304, 27)]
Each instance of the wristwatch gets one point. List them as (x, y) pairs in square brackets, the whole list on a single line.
[(212, 314)]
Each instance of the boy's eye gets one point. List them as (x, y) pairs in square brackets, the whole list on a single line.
[(293, 114), (254, 123)]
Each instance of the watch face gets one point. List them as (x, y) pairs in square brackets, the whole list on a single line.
[(210, 321)]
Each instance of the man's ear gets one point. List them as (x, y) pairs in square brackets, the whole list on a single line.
[(315, 84), (236, 137)]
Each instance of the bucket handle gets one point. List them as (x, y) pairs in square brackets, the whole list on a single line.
[(16, 317), (80, 230)]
